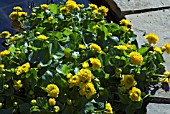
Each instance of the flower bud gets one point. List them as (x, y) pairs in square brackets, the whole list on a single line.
[(33, 102), (39, 66), (12, 97), (31, 92), (37, 33), (52, 101), (163, 48), (6, 86), (118, 71), (1, 105), (69, 102), (96, 80), (56, 108), (15, 104)]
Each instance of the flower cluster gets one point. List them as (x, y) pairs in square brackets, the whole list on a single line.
[(83, 80), (17, 13)]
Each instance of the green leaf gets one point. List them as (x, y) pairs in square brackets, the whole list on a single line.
[(53, 8), (67, 32), (159, 57), (89, 108), (34, 109), (6, 111), (1, 84), (12, 48), (133, 38), (107, 76), (124, 98), (61, 82), (38, 56), (47, 77), (65, 69), (42, 102), (24, 108), (41, 15), (40, 29), (58, 35), (105, 30), (133, 106), (143, 50)]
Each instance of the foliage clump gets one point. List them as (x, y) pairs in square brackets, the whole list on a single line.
[(68, 59)]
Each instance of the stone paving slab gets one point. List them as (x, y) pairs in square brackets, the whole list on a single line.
[(158, 108), (141, 4)]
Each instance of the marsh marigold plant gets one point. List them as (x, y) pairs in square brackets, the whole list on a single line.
[(66, 58)]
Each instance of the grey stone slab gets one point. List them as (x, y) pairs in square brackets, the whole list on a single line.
[(156, 22), (154, 108), (141, 4)]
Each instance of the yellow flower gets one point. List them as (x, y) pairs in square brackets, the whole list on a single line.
[(44, 6), (85, 75), (95, 62), (108, 108), (50, 18), (87, 89), (33, 14), (103, 10), (4, 53), (74, 81), (93, 6), (81, 46), (167, 46), (71, 4), (96, 47), (85, 64), (121, 47), (1, 67), (95, 26), (135, 94), (64, 10), (152, 38), (80, 5), (5, 34), (164, 80), (42, 37), (17, 84), (51, 101), (52, 90), (22, 14), (23, 69), (125, 22), (56, 109), (17, 8), (129, 46), (167, 73), (128, 81), (126, 28), (157, 49), (96, 11), (136, 58), (13, 15), (69, 75)]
